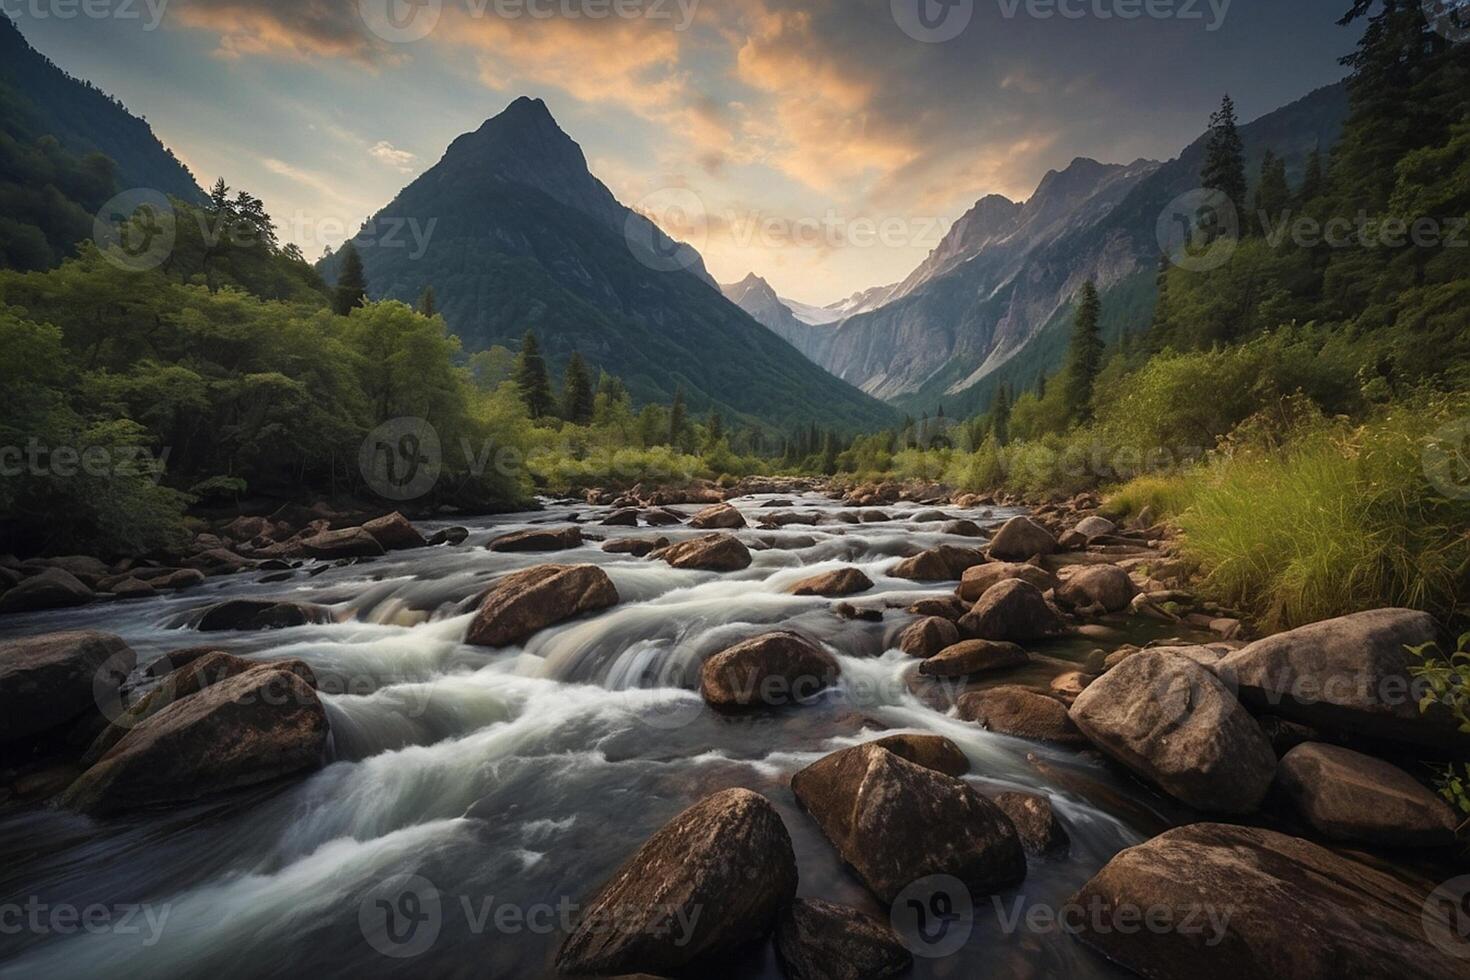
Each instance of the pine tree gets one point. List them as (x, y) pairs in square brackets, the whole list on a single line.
[(715, 430), (1273, 194), (1312, 181), (678, 419), (1084, 357), (829, 453), (1224, 168), (1000, 416), (351, 283), (1041, 386), (428, 305), (576, 398), (532, 380)]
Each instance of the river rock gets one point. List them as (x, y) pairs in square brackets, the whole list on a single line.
[(1349, 796), (960, 560), (1021, 539), (626, 517), (725, 863), (259, 614), (1042, 834), (945, 607), (1347, 674), (973, 657), (1289, 908), (662, 517), (720, 516), (223, 561), (894, 822), (963, 529), (839, 582), (395, 533), (526, 602), (252, 728), (49, 680), (1091, 528), (539, 539), (817, 940), (131, 588), (979, 579), (930, 751), (928, 636), (350, 542), (51, 588), (449, 535), (773, 670), (926, 566), (1174, 723), (1010, 610), (711, 553), (1107, 586), (1021, 712), (637, 547)]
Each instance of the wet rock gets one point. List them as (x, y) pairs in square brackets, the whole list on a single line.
[(726, 864), (350, 542), (839, 582), (1174, 723), (873, 517), (979, 579), (928, 636), (662, 517), (637, 547), (395, 533), (1067, 686), (1042, 834), (973, 657), (538, 539), (52, 588), (959, 560), (894, 822), (627, 517), (711, 553), (449, 535), (222, 561), (930, 751), (175, 579), (1107, 586), (1010, 610), (1021, 539), (260, 614), (720, 516), (1347, 674), (526, 602), (49, 680), (131, 588), (252, 728), (866, 614), (926, 566), (1349, 796), (1282, 906), (1091, 528), (964, 529), (817, 940), (945, 607), (1021, 712), (774, 670), (930, 517)]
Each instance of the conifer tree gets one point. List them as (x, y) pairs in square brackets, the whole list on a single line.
[(576, 398), (1084, 357), (715, 429), (428, 305), (678, 419), (1224, 168), (351, 283), (1273, 194), (1312, 181), (532, 380), (1000, 415)]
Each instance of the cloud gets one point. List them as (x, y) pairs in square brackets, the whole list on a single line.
[(293, 30), (386, 153)]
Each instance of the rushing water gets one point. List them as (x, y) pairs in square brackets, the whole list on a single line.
[(514, 782)]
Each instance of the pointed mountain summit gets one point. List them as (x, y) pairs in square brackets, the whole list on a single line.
[(515, 233)]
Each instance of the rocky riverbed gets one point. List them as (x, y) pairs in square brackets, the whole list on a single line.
[(783, 733)]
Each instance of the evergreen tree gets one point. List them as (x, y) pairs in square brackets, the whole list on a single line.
[(715, 430), (678, 419), (1000, 415), (532, 380), (576, 398), (1041, 386), (1273, 194), (829, 453), (1312, 181), (1084, 357), (351, 283), (1224, 168), (428, 305)]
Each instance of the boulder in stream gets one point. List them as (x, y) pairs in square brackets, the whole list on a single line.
[(773, 670), (817, 940), (720, 516), (978, 579), (711, 553), (926, 637), (1022, 713), (838, 582), (1012, 610), (395, 533), (51, 588), (50, 680), (974, 657), (539, 539), (1349, 796), (1021, 539), (526, 602)]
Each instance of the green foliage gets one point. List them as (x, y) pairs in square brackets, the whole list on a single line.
[(532, 380), (1448, 684), (576, 399), (1084, 357), (351, 290)]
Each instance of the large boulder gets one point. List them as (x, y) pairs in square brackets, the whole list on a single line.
[(926, 566), (974, 657), (526, 602), (979, 579), (838, 582), (711, 553), (1174, 723), (1347, 674), (259, 614), (960, 560), (350, 542), (1021, 712), (930, 751), (1042, 834), (539, 539), (248, 729), (928, 636), (772, 670), (1094, 527), (816, 940), (49, 680), (944, 606), (718, 517), (51, 588), (1021, 539), (1226, 902), (1011, 610), (963, 528), (395, 533), (1349, 796), (1107, 586), (725, 865), (894, 822)]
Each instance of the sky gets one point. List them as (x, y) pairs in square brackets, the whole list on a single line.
[(826, 145)]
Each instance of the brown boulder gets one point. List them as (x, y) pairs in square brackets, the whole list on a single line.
[(1011, 610), (930, 751), (49, 680), (973, 657), (395, 533), (258, 614), (964, 529), (662, 517), (538, 539), (725, 864), (1107, 586), (350, 542), (51, 588), (1349, 796), (1021, 539), (526, 602), (817, 940), (928, 636), (945, 607), (626, 517), (772, 670), (1041, 833), (637, 547), (839, 582), (979, 579), (926, 566), (718, 517), (1021, 712), (711, 553)]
